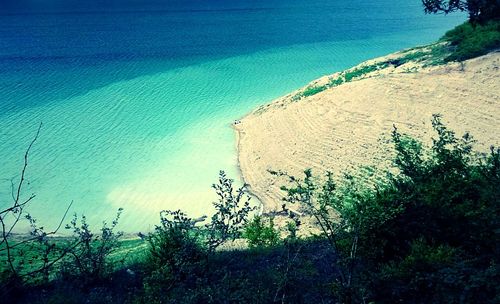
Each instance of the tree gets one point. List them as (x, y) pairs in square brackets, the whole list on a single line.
[(478, 10)]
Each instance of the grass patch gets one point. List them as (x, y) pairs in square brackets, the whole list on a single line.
[(468, 41), (313, 90), (356, 73), (350, 75), (336, 82), (346, 76), (309, 91)]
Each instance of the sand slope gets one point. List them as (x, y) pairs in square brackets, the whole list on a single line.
[(349, 125)]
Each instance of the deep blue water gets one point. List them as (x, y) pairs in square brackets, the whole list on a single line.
[(136, 96)]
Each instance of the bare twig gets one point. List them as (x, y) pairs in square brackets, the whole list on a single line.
[(17, 208), (23, 172)]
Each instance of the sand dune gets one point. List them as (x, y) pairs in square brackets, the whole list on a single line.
[(348, 126)]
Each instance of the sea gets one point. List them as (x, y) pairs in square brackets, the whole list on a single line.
[(136, 97)]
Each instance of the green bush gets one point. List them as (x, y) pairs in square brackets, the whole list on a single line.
[(87, 256), (356, 73), (353, 74), (313, 90), (179, 251), (175, 243), (258, 234), (176, 256), (473, 40)]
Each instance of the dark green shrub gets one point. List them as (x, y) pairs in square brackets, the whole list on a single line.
[(176, 256), (426, 235), (175, 243), (88, 254), (446, 231), (180, 251), (417, 276)]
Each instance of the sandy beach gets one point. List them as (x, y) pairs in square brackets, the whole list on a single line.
[(349, 126)]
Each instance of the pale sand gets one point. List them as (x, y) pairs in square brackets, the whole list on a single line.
[(349, 126)]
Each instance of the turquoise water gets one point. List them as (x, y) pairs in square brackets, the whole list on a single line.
[(137, 97)]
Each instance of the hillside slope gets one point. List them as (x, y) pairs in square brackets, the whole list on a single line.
[(342, 127)]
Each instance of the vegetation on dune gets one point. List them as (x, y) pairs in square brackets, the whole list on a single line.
[(476, 37), (313, 90), (426, 234), (464, 42), (346, 76), (468, 40)]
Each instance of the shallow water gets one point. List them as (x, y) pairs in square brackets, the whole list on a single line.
[(137, 97)]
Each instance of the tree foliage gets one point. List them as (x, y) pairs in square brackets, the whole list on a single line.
[(478, 10)]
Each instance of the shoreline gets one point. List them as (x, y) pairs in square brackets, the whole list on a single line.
[(261, 142), (238, 168)]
